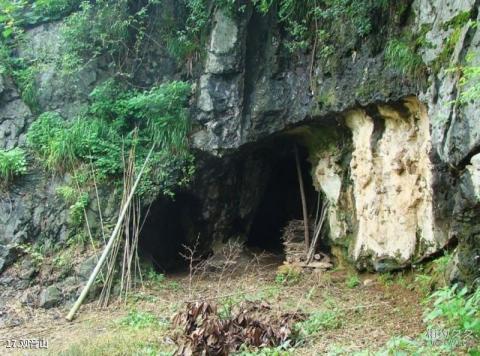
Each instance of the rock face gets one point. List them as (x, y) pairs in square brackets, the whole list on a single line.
[(397, 161), (390, 189), (50, 297), (392, 180)]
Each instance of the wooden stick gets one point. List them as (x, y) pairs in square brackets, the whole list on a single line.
[(317, 232), (304, 201), (109, 245)]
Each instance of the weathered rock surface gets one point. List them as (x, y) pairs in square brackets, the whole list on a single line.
[(50, 297)]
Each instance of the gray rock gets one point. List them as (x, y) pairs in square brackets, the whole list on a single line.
[(50, 297), (86, 267), (27, 269), (225, 45)]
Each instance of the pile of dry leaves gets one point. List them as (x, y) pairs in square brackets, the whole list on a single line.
[(252, 324)]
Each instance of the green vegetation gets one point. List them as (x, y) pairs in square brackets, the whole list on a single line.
[(352, 281), (470, 80), (318, 321), (14, 16), (35, 252), (310, 21), (117, 121), (264, 351), (455, 25), (140, 320), (288, 275), (48, 10), (98, 29), (401, 56), (12, 164), (453, 321), (456, 309), (77, 209), (150, 275)]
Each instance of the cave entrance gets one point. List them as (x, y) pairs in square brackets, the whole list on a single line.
[(169, 226), (281, 200)]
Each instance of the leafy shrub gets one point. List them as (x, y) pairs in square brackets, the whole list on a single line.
[(12, 164), (300, 17), (77, 209), (117, 120), (470, 80), (67, 193), (457, 309), (402, 346), (153, 276), (96, 29), (385, 278), (116, 30), (34, 252), (78, 203)]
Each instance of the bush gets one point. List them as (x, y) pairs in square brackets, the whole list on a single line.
[(12, 164)]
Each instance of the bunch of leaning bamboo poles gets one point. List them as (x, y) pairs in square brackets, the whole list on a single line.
[(129, 226), (130, 271)]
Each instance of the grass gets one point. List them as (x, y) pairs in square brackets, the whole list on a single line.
[(288, 274), (319, 321), (265, 351), (140, 320), (119, 344), (400, 56)]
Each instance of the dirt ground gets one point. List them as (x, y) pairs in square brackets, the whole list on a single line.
[(370, 311)]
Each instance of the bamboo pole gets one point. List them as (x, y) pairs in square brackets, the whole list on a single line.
[(304, 201), (109, 245), (318, 229)]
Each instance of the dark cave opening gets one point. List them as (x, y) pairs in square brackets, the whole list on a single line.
[(267, 169), (281, 199), (170, 224)]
